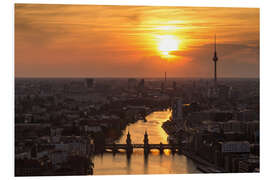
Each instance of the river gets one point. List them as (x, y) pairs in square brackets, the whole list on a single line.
[(167, 163)]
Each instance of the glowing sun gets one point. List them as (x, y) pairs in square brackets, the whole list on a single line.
[(167, 44)]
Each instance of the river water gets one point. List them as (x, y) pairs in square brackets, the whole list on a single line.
[(167, 163)]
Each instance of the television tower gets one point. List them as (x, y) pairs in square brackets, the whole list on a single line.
[(215, 59)]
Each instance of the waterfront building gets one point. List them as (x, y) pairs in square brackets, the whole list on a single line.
[(235, 147), (196, 119), (249, 165), (247, 115), (177, 111)]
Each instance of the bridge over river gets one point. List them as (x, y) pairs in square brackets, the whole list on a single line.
[(128, 147), (153, 162)]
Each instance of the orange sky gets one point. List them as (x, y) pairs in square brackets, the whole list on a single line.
[(134, 41)]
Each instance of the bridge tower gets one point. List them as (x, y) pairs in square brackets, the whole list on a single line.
[(146, 143), (129, 147), (128, 140)]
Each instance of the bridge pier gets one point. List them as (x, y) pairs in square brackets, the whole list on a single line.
[(146, 149), (115, 150), (161, 148), (129, 149), (173, 149), (179, 148)]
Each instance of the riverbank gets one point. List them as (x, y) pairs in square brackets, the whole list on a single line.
[(171, 129), (204, 166)]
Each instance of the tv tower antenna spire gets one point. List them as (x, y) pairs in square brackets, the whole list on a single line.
[(215, 59)]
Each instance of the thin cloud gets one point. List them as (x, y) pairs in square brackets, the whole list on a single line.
[(58, 40)]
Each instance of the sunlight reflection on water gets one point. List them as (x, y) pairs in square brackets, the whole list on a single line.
[(155, 163)]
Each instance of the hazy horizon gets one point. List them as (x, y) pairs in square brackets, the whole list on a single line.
[(136, 77)]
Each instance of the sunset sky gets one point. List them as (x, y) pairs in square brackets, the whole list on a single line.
[(134, 41)]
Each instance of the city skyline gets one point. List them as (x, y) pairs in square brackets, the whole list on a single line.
[(135, 41), (129, 90)]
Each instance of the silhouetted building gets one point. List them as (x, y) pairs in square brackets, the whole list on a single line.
[(174, 85), (89, 82), (220, 91), (132, 83), (141, 85), (177, 111), (249, 165), (28, 167), (162, 87), (224, 91)]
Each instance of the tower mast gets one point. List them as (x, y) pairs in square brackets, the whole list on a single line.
[(215, 59)]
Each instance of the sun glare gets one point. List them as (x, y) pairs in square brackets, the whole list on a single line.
[(167, 44)]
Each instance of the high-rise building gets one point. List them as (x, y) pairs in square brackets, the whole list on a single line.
[(141, 85), (132, 83), (177, 111), (174, 85), (89, 82), (162, 87)]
